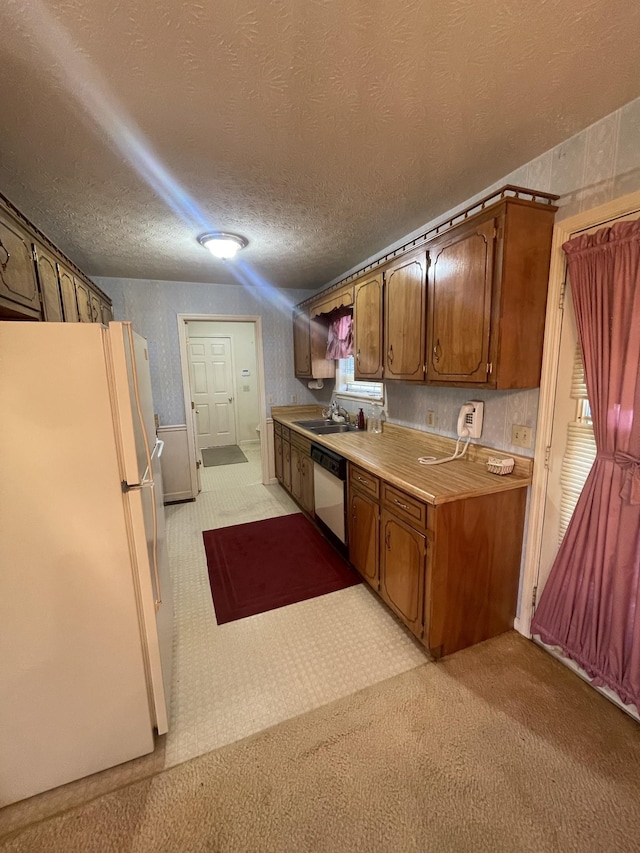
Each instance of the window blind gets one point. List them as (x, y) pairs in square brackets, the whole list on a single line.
[(580, 450), (577, 462)]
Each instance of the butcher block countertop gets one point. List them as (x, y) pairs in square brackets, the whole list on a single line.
[(393, 456)]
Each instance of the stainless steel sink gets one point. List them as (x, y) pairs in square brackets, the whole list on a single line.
[(312, 424), (331, 428)]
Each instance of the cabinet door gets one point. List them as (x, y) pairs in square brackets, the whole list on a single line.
[(364, 529), (459, 298), (286, 465), (68, 292), (301, 343), (46, 267), (84, 301), (277, 443), (402, 570), (18, 286), (405, 320), (96, 310), (367, 323), (306, 497), (296, 473)]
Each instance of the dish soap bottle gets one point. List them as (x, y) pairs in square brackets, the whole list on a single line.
[(360, 419)]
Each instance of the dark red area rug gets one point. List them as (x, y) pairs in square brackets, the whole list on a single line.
[(268, 564)]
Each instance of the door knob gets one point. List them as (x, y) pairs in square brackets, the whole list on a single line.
[(230, 399)]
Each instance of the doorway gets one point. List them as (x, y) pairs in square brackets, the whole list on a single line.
[(223, 385)]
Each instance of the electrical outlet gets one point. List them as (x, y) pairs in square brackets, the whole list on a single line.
[(294, 398), (270, 398), (520, 435), (431, 418)]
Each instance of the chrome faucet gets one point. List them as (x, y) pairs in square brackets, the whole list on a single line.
[(336, 411)]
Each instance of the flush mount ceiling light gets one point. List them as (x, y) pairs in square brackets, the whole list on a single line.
[(222, 245)]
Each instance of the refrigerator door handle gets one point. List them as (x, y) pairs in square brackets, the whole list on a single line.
[(160, 444)]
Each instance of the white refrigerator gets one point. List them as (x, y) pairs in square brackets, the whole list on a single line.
[(86, 616)]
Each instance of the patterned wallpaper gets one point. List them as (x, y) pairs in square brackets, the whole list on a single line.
[(596, 165), (153, 307)]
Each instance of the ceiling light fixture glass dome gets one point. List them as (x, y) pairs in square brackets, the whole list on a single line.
[(221, 244)]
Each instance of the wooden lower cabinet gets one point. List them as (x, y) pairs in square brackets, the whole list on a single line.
[(402, 570), (294, 467), (449, 572)]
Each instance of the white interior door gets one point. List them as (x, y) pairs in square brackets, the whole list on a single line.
[(210, 364)]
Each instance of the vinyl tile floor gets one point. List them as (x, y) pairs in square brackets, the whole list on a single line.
[(232, 680)]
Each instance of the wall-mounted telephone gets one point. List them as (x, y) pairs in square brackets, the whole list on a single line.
[(469, 426), (470, 420)]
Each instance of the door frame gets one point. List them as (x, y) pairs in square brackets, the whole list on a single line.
[(563, 231), (183, 319)]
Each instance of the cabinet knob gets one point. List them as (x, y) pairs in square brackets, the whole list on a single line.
[(358, 356), (437, 351), (387, 540), (400, 504), (390, 354)]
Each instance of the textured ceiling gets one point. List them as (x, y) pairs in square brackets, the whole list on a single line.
[(321, 131)]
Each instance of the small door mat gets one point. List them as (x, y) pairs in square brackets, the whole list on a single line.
[(222, 456), (267, 564)]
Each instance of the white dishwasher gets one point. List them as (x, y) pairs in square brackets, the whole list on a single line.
[(329, 486)]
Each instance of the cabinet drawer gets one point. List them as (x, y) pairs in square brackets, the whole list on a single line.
[(301, 442), (277, 428), (361, 479), (405, 506)]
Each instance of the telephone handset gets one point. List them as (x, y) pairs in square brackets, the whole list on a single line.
[(469, 426), (470, 420)]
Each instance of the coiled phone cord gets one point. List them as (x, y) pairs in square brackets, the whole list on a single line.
[(457, 453)]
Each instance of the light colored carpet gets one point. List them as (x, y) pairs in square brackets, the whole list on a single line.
[(498, 748), (230, 455)]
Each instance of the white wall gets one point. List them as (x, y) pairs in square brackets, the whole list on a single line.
[(153, 308)]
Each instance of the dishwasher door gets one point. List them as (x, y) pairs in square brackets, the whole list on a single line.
[(328, 493)]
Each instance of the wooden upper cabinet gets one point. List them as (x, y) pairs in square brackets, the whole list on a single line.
[(47, 270), (487, 297), (68, 293), (106, 313), (404, 309), (367, 328), (459, 298), (18, 286), (301, 343), (83, 295)]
